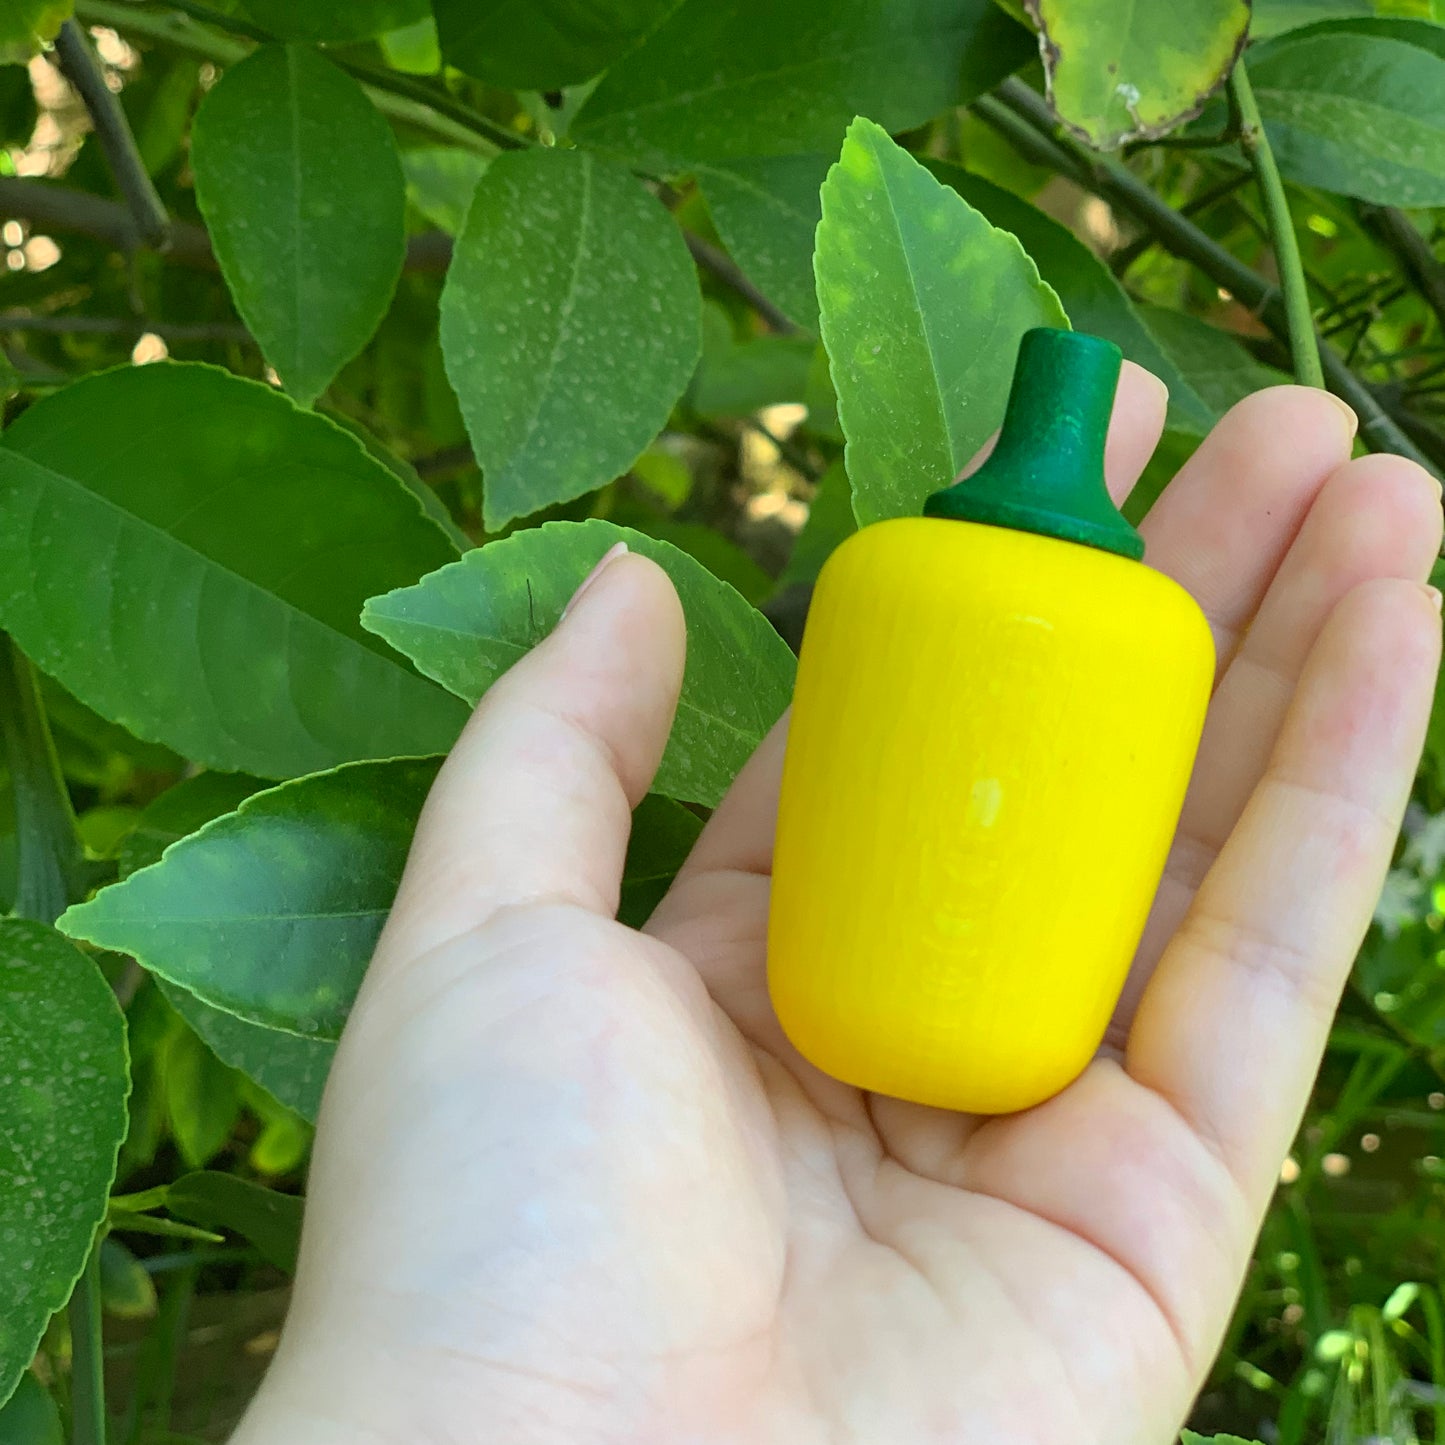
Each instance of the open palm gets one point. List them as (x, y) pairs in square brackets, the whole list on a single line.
[(572, 1185)]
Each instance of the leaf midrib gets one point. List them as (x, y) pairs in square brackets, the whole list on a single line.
[(954, 464), (564, 319)]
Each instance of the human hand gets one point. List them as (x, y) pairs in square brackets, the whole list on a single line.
[(572, 1185)]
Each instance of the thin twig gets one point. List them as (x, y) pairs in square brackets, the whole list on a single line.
[(1022, 115), (58, 208), (440, 103), (122, 326), (1299, 316), (722, 266), (179, 32), (82, 70), (1414, 252), (1122, 260)]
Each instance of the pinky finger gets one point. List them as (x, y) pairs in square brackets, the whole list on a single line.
[(1234, 1021)]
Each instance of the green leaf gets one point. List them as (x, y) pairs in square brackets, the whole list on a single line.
[(18, 113), (1273, 17), (26, 24), (1403, 977), (1358, 114), (299, 180), (271, 912), (204, 593), (725, 560), (291, 1069), (441, 181), (1087, 289), (1215, 362), (923, 304), (543, 44), (736, 378), (1190, 1438), (270, 1221), (30, 1416), (466, 624), (1118, 71), (570, 324), (766, 209), (181, 810), (1424, 33), (126, 1291), (203, 1099), (413, 48), (663, 833), (64, 1080), (753, 79), (830, 521), (328, 20)]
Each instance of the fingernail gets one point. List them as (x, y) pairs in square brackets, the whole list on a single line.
[(610, 555), (1433, 593), (1349, 411)]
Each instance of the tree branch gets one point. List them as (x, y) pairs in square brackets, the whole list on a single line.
[(79, 66), (121, 326), (57, 208), (1395, 229), (1023, 117), (412, 102), (722, 266), (1299, 317)]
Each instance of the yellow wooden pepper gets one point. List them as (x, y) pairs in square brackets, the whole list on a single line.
[(997, 709)]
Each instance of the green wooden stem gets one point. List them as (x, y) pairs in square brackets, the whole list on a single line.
[(87, 1370), (1299, 317)]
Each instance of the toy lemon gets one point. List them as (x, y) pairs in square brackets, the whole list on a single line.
[(997, 709)]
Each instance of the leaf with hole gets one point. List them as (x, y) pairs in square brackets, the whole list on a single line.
[(271, 912), (64, 1079), (923, 304), (466, 624), (1118, 71), (543, 44), (299, 180), (188, 553), (570, 325), (751, 78)]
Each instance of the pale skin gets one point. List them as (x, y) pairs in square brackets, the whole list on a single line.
[(572, 1186)]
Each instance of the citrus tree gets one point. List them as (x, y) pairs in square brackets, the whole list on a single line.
[(339, 341)]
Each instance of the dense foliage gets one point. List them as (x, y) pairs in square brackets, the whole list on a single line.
[(338, 341)]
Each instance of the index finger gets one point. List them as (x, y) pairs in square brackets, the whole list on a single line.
[(1233, 1023)]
